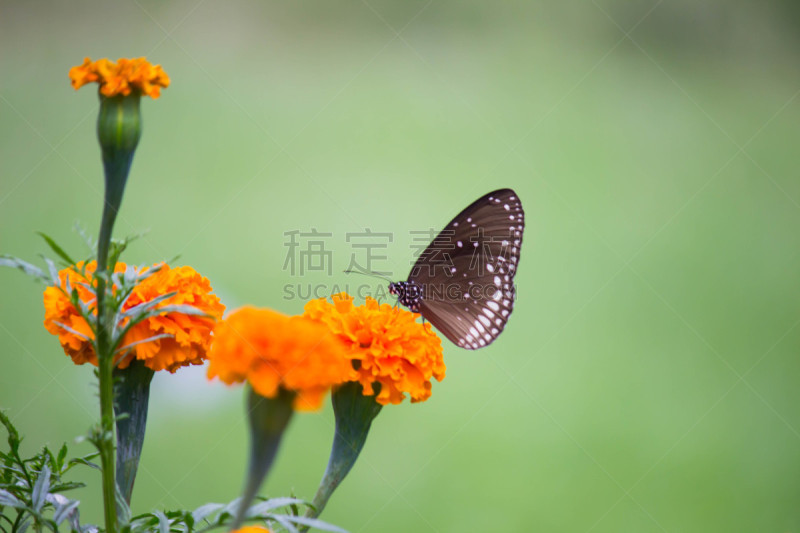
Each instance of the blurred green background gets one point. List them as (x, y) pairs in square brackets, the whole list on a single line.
[(648, 379)]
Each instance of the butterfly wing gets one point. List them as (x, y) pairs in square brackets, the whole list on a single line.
[(467, 272)]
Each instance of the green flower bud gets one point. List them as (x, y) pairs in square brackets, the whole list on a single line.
[(119, 126)]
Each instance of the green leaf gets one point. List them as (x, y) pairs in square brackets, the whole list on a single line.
[(67, 511), (282, 520), (62, 455), (77, 228), (146, 306), (48, 456), (27, 268), (13, 437), (73, 331), (57, 249), (206, 510), (85, 460), (123, 509), (163, 522), (9, 500), (40, 489), (231, 507), (53, 269), (143, 523), (148, 339), (68, 485), (312, 522), (188, 519), (262, 508)]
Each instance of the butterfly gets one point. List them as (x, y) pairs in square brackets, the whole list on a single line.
[(463, 282)]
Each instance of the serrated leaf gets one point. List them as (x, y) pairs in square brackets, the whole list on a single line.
[(71, 330), (123, 509), (77, 228), (188, 518), (40, 489), (66, 509), (56, 248), (130, 275), (146, 306), (148, 339), (206, 510), (27, 268), (13, 437), (143, 524), (163, 522), (281, 519), (85, 460), (232, 507), (51, 267), (262, 507), (67, 512), (183, 309), (62, 455), (9, 500), (49, 457), (312, 522), (68, 485)]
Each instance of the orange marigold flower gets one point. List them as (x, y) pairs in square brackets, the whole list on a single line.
[(121, 77), (271, 350), (388, 343), (252, 529), (191, 334)]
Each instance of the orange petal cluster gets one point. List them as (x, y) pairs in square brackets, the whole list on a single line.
[(252, 529), (190, 334), (121, 77), (271, 350), (387, 344)]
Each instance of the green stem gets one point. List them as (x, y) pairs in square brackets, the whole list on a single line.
[(268, 419), (354, 414), (118, 131), (105, 372)]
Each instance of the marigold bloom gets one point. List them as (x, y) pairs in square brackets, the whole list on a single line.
[(191, 334), (252, 529), (388, 343), (121, 77), (271, 350)]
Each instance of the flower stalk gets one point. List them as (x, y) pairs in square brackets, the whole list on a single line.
[(268, 417), (118, 131), (354, 414)]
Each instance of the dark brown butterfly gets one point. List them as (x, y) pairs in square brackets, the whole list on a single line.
[(463, 283)]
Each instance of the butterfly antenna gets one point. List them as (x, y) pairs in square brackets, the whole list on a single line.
[(370, 274)]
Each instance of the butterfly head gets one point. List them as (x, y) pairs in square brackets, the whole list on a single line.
[(408, 293)]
